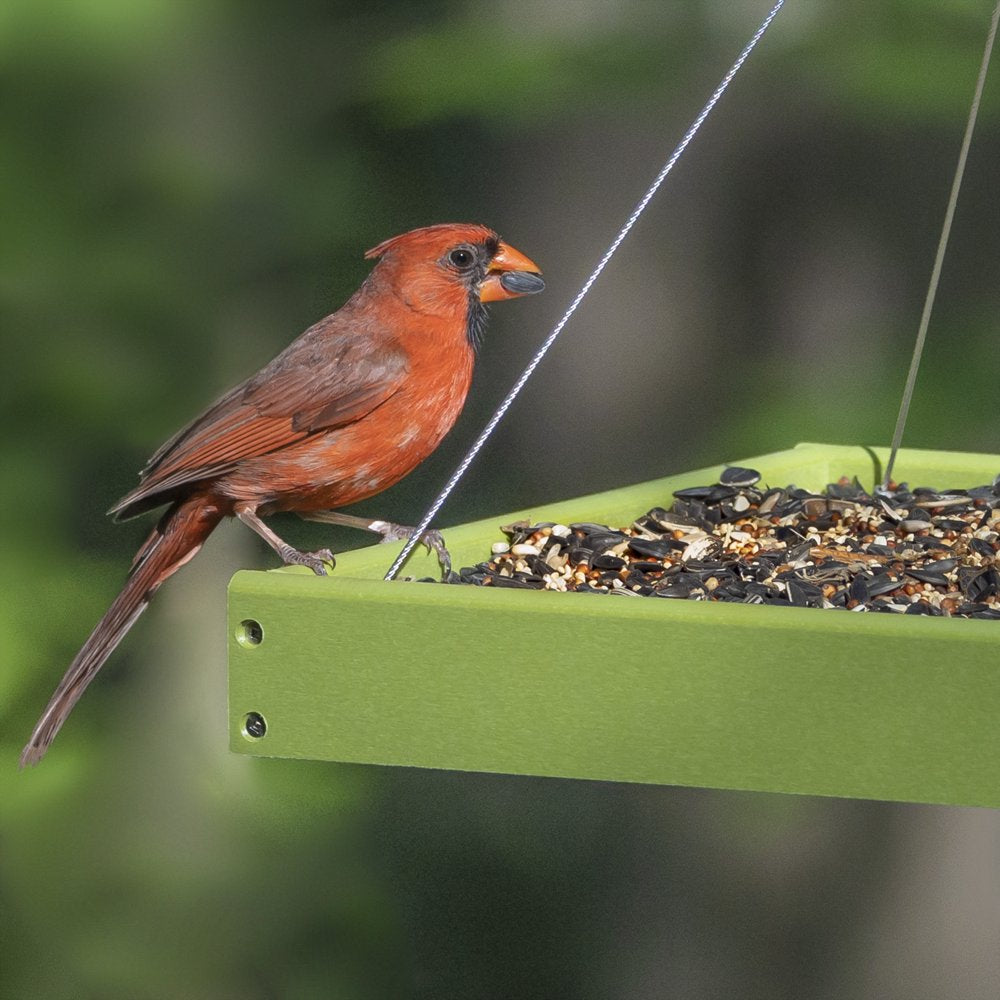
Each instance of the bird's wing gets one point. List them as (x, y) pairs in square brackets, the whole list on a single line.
[(324, 380)]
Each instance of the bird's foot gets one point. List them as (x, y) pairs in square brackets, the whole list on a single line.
[(289, 555), (433, 540), (389, 531), (316, 561)]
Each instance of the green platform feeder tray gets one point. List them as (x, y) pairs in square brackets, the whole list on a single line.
[(351, 668)]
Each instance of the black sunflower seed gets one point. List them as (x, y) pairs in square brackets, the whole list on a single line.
[(982, 547), (694, 492), (658, 548), (882, 583), (923, 608), (677, 590), (606, 561), (928, 576), (976, 584), (512, 582), (735, 475), (879, 550), (601, 541)]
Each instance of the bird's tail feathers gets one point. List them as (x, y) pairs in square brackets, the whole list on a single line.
[(177, 538)]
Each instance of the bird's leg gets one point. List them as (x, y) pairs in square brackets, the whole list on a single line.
[(390, 532), (316, 561)]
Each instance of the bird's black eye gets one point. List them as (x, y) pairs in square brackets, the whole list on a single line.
[(461, 257)]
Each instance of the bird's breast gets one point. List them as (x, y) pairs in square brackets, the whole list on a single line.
[(337, 467)]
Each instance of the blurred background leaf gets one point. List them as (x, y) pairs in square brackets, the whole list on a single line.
[(184, 188)]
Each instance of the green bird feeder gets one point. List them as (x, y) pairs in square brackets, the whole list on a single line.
[(780, 699)]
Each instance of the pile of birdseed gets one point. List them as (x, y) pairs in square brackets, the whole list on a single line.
[(917, 552)]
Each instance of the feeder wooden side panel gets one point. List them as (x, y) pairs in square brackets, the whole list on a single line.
[(672, 694)]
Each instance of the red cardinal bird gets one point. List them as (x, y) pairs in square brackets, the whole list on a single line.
[(345, 411)]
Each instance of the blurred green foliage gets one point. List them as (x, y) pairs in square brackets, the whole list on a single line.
[(184, 188)]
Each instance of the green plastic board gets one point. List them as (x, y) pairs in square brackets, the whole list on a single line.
[(351, 668)]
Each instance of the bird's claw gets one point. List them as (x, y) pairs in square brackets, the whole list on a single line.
[(433, 540), (444, 556), (316, 561)]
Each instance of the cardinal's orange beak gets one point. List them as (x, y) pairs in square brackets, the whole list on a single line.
[(511, 274)]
